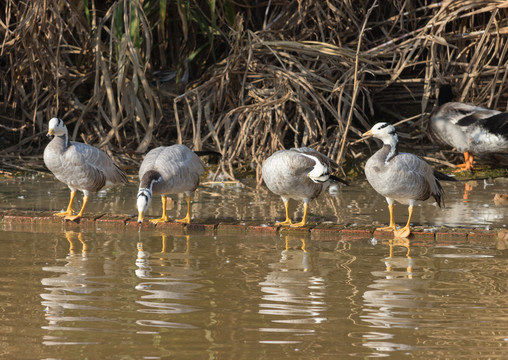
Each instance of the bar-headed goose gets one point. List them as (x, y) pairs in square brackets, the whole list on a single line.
[(169, 170), (472, 130), (300, 174), (79, 166), (401, 177)]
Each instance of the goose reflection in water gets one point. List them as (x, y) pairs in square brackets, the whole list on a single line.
[(292, 293), (392, 297), (169, 277), (64, 292)]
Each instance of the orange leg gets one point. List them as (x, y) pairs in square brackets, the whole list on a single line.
[(288, 221), (468, 163), (405, 231), (392, 226), (164, 217), (187, 218), (68, 212), (304, 219), (80, 214)]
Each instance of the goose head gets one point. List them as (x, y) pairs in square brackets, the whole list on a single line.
[(384, 132), (319, 172), (148, 179), (56, 127), (143, 202)]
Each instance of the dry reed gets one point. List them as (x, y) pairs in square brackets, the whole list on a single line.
[(244, 79)]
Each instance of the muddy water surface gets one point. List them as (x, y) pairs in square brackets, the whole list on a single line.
[(468, 204), (154, 295)]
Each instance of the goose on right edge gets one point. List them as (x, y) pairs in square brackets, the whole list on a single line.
[(468, 128), (401, 177)]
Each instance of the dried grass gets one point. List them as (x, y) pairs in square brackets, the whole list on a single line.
[(255, 79)]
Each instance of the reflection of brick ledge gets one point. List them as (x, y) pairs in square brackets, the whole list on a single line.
[(18, 220)]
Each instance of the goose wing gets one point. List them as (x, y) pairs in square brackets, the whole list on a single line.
[(496, 124), (179, 167), (325, 160), (411, 178), (171, 161), (464, 114), (89, 168), (285, 174)]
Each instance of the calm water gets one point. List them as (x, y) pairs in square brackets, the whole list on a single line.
[(151, 295), (467, 204), (154, 295)]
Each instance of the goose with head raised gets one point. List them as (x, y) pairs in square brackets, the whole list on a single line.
[(401, 177), (79, 166)]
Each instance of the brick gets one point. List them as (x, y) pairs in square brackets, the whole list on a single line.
[(355, 234), (202, 226), (383, 234), (295, 230), (483, 237), (113, 221), (229, 228), (446, 236), (133, 224), (171, 225), (27, 219), (428, 236), (262, 228), (326, 231)]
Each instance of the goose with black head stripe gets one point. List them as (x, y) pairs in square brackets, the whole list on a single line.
[(472, 130), (300, 174), (169, 170), (79, 166), (401, 177)]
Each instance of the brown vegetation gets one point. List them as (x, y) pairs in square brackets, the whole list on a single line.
[(245, 78)]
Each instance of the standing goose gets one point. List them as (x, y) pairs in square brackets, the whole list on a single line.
[(169, 170), (401, 177), (300, 174), (79, 166), (468, 128)]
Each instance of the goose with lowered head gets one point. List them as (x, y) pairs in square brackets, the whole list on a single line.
[(472, 130), (300, 174), (169, 170)]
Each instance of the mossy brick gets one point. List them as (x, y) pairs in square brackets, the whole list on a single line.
[(482, 237), (446, 236), (207, 226), (46, 217), (86, 222), (267, 229), (326, 231), (383, 234), (287, 230), (171, 225), (231, 228), (133, 224), (113, 221), (17, 218), (421, 235), (355, 234)]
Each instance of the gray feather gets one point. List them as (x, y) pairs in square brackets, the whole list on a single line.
[(179, 167), (81, 166)]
